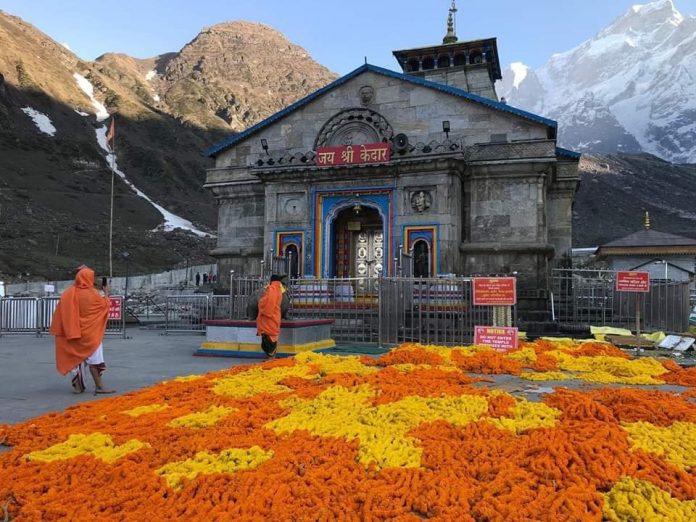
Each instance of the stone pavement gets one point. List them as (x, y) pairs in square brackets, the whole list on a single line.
[(31, 386)]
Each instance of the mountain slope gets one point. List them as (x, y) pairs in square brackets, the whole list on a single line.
[(631, 88), (54, 187), (616, 189)]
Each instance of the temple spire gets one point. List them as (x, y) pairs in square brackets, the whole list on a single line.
[(646, 221), (451, 36)]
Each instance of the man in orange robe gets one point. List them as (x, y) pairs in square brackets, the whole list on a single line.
[(268, 320), (79, 324)]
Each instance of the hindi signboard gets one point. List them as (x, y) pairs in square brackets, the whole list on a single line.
[(501, 338), (115, 308), (495, 291), (353, 154), (632, 281)]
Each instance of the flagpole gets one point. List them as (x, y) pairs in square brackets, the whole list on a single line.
[(111, 213)]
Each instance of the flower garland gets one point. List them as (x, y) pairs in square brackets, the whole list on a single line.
[(406, 436)]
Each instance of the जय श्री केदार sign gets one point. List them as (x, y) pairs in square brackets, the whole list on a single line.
[(353, 154)]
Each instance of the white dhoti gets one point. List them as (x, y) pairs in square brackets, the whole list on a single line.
[(96, 359)]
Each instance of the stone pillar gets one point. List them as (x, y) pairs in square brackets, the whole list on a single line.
[(241, 217)]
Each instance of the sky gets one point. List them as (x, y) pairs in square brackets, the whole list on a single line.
[(339, 35)]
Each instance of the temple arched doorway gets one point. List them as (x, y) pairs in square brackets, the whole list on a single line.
[(293, 257), (422, 262), (358, 242)]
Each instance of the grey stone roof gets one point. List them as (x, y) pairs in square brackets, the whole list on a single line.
[(645, 238)]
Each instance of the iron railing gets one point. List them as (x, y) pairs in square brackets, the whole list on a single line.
[(386, 310), (33, 315), (186, 313), (589, 297)]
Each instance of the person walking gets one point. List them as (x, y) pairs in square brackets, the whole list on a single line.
[(269, 316), (205, 278), (79, 324), (198, 278)]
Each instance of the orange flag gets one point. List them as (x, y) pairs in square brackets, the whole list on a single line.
[(111, 134)]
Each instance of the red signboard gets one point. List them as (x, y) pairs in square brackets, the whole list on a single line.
[(353, 154), (632, 281), (495, 291), (499, 338), (115, 308)]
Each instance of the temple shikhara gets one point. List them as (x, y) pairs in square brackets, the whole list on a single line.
[(418, 172)]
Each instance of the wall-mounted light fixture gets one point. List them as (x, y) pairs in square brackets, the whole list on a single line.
[(264, 144), (446, 128)]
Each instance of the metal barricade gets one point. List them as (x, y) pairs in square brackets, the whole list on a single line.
[(19, 315), (47, 307), (589, 297), (242, 291), (220, 307), (33, 315), (429, 311), (353, 304), (186, 313)]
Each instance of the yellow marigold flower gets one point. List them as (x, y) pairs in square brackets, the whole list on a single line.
[(381, 430), (142, 410), (187, 378), (335, 364), (633, 499), (527, 415), (257, 380), (525, 355), (204, 463), (675, 443), (202, 419), (547, 376), (98, 445)]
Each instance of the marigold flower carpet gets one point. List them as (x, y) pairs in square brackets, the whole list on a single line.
[(422, 432)]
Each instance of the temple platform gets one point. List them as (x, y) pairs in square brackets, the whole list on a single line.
[(237, 338)]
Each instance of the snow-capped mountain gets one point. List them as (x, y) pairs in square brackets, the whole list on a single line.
[(631, 88)]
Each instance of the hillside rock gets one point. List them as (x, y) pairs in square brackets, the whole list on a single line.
[(54, 189), (615, 191)]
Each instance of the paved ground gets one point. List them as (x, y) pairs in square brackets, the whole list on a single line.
[(31, 386)]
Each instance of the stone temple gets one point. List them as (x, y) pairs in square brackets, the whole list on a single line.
[(420, 172)]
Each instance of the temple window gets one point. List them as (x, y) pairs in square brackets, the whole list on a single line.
[(443, 61)]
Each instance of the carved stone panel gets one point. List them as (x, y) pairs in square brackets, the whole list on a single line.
[(420, 200), (292, 206)]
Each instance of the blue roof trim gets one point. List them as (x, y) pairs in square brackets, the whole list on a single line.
[(568, 153), (232, 140)]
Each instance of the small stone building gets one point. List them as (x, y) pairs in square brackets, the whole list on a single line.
[(420, 172), (664, 256)]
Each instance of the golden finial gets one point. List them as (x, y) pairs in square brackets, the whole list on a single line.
[(451, 36), (646, 222)]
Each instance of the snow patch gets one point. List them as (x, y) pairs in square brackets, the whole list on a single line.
[(88, 89), (42, 121), (150, 75), (81, 113), (156, 97), (64, 44), (171, 221), (519, 72)]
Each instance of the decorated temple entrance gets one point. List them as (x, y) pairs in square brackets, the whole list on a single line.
[(358, 246)]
